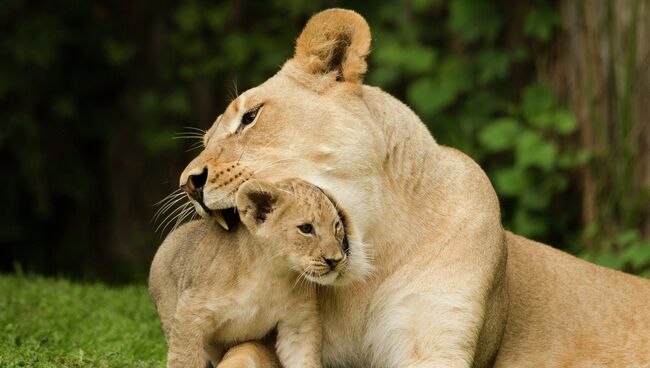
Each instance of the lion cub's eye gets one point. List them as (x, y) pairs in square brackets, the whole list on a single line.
[(249, 117), (306, 229)]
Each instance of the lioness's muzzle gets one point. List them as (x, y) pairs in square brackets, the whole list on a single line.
[(212, 185)]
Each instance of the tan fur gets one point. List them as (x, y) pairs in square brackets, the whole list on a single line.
[(223, 288), (439, 283), (335, 41)]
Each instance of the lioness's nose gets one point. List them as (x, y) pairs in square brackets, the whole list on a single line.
[(195, 183)]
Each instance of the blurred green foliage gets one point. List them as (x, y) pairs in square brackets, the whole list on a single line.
[(92, 93)]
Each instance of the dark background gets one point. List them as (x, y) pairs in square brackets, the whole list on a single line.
[(552, 98)]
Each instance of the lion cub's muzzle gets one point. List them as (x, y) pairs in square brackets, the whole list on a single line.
[(212, 188)]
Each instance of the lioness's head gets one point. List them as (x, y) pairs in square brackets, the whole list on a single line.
[(298, 226), (309, 121)]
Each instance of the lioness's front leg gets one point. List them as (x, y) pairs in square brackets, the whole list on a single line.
[(300, 337), (422, 317)]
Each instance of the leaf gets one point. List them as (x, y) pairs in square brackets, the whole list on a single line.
[(188, 17), (474, 19), (424, 5), (532, 150), (493, 65), (645, 274), (610, 259), (511, 181), (118, 53), (528, 225), (628, 237), (237, 48), (177, 102), (499, 135), (418, 59), (534, 198), (159, 140), (540, 23), (564, 122), (412, 58), (537, 103), (383, 76), (638, 254), (544, 120), (573, 158), (430, 96), (218, 16)]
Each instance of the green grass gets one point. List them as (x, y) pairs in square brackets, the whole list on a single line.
[(58, 323)]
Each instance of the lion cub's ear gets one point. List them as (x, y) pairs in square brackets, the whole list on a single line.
[(255, 201), (335, 41)]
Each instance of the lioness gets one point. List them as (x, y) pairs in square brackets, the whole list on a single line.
[(451, 287), (223, 288)]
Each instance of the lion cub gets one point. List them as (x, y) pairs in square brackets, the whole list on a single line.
[(230, 287)]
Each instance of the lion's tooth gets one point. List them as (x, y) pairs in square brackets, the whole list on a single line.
[(220, 220)]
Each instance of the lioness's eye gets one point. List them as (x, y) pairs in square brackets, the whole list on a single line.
[(306, 229), (249, 116)]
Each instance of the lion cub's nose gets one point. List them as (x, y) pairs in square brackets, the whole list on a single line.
[(195, 183), (333, 262)]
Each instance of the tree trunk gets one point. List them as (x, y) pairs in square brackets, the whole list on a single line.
[(600, 65)]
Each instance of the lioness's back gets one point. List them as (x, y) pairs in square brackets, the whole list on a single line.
[(586, 315)]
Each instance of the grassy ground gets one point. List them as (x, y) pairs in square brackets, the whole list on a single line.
[(56, 323)]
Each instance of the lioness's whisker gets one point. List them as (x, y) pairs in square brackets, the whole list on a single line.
[(277, 162), (171, 215), (261, 149), (232, 92), (195, 129), (242, 152), (169, 199), (172, 194), (182, 217), (194, 146), (184, 210), (167, 206), (188, 136)]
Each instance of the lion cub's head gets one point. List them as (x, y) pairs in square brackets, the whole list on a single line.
[(299, 225)]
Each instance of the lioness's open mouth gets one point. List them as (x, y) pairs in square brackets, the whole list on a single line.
[(227, 218)]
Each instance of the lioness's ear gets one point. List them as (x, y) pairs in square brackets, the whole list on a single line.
[(335, 41), (255, 200)]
